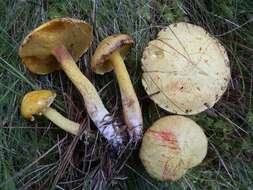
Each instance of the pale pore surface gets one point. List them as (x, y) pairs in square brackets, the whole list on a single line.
[(186, 69), (171, 146)]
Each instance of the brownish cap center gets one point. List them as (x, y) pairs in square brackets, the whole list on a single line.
[(36, 49), (100, 61)]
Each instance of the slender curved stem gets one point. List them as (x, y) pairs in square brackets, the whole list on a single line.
[(131, 106), (61, 121), (94, 105)]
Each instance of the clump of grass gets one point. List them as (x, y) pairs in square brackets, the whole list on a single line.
[(39, 156)]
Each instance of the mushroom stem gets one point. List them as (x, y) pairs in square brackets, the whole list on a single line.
[(94, 105), (131, 106), (61, 121)]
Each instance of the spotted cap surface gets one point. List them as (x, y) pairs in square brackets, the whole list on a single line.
[(185, 70)]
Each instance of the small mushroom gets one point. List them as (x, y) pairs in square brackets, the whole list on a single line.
[(56, 45), (171, 146), (38, 102), (187, 66), (109, 56)]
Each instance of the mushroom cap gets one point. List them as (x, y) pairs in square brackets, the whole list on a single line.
[(100, 62), (186, 71), (171, 146), (36, 49), (36, 102)]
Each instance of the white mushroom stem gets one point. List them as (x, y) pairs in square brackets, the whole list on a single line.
[(61, 121), (131, 106), (94, 105)]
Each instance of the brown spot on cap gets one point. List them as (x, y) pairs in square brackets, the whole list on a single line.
[(206, 104)]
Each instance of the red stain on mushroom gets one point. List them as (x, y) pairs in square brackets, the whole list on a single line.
[(167, 174), (166, 170), (128, 102), (163, 135), (173, 147), (169, 138)]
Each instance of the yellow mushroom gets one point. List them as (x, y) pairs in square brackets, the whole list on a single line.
[(38, 103), (185, 69), (109, 56), (57, 44), (171, 146)]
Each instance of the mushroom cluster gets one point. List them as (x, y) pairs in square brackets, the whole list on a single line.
[(185, 71), (58, 44)]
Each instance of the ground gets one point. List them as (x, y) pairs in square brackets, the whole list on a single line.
[(38, 155)]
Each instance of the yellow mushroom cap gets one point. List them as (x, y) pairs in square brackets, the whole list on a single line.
[(36, 49), (100, 62), (35, 102), (171, 146), (185, 69)]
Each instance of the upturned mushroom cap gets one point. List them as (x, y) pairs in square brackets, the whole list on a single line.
[(35, 102), (36, 49), (100, 62), (171, 146), (185, 69)]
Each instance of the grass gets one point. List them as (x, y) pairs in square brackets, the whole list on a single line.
[(34, 155)]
